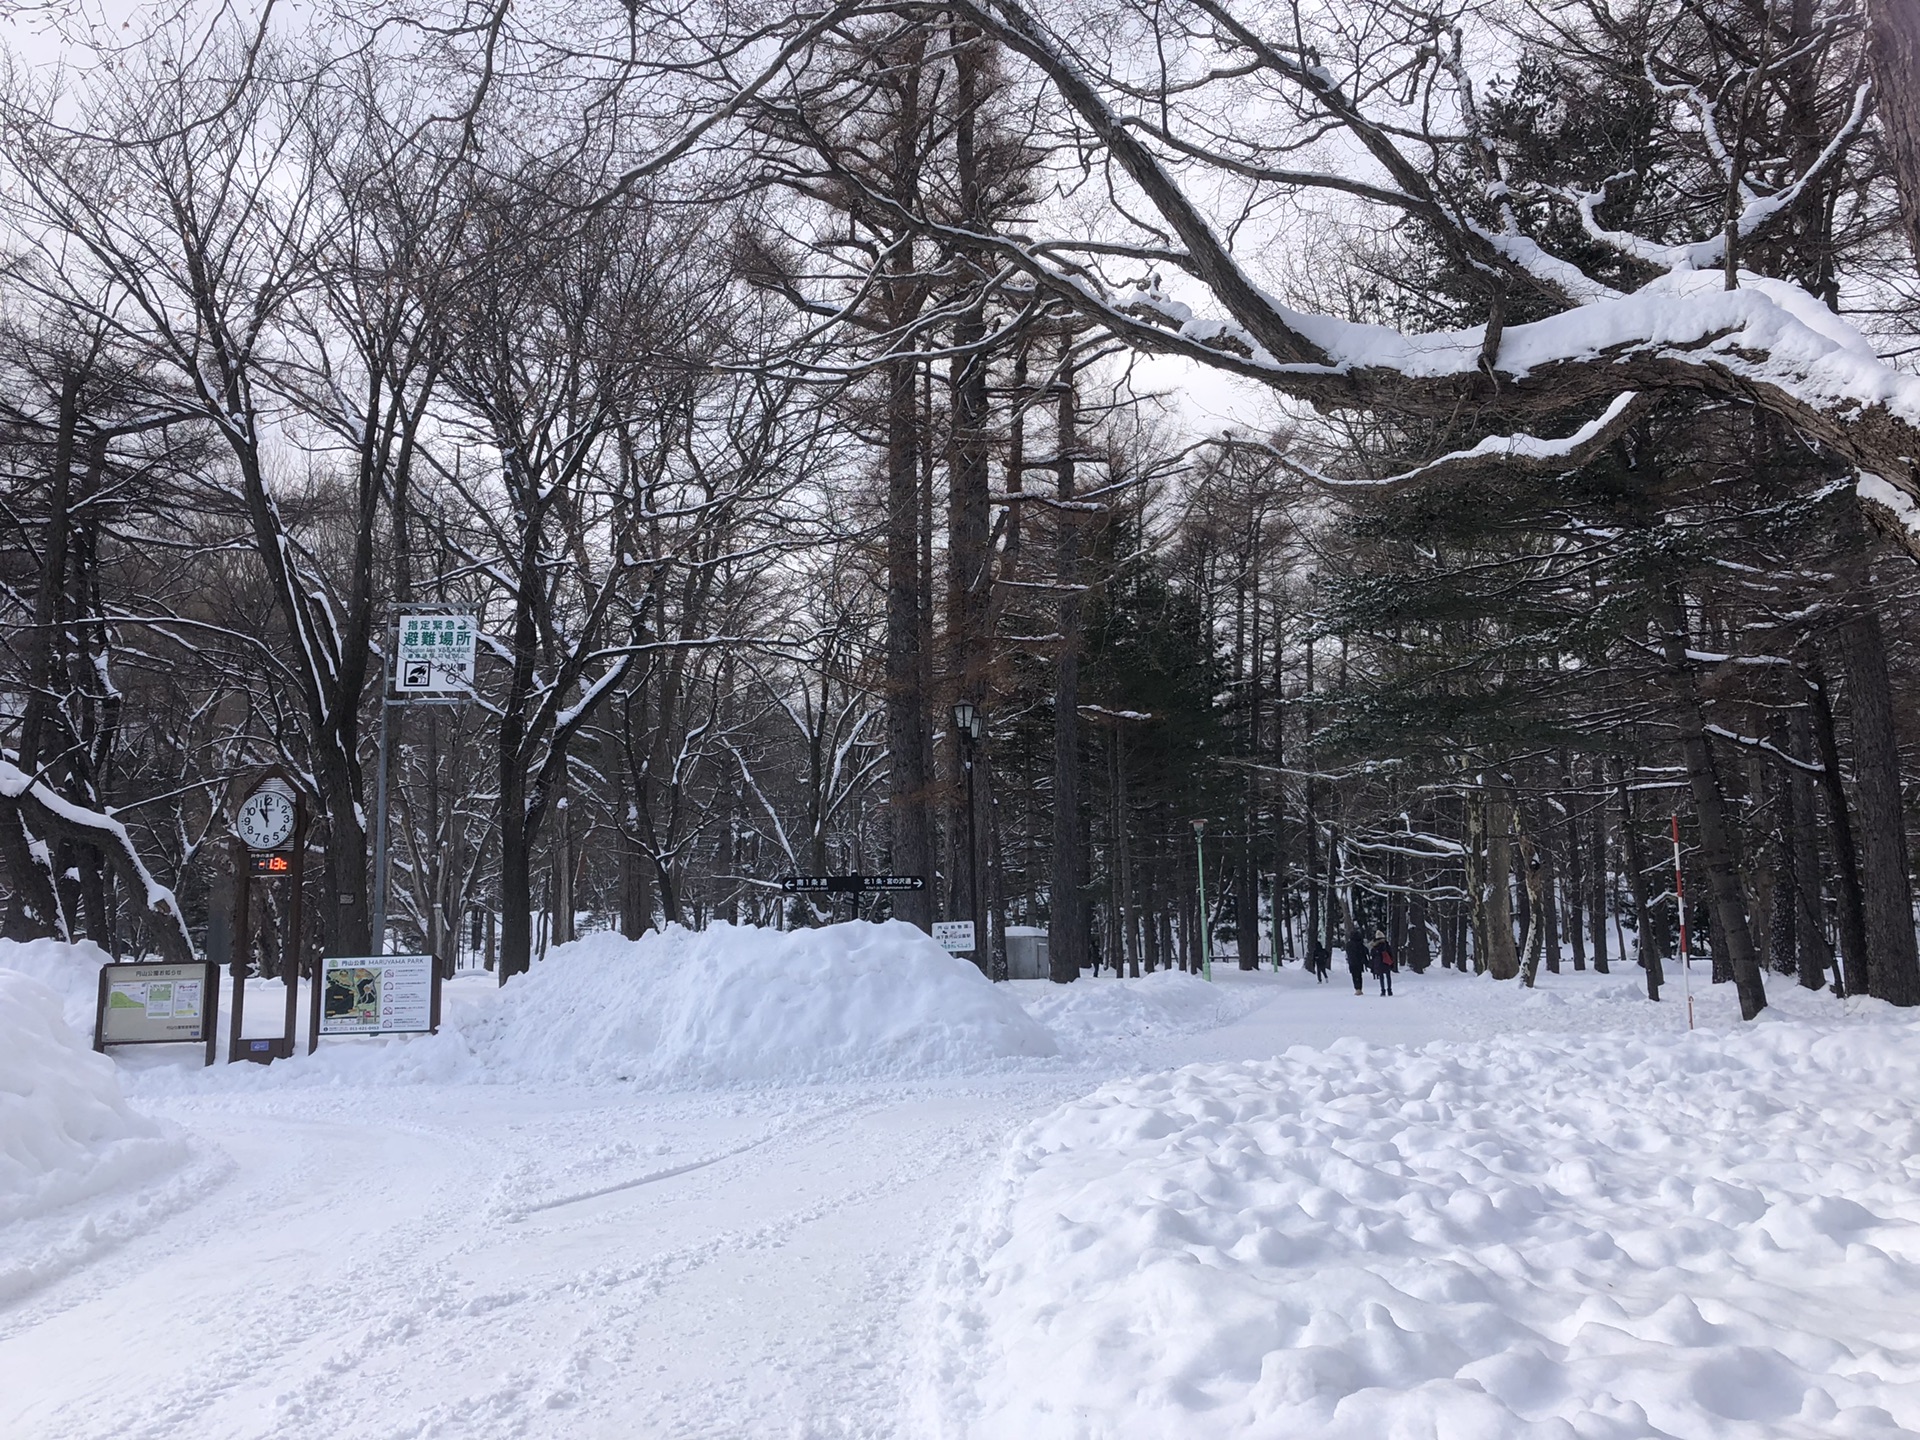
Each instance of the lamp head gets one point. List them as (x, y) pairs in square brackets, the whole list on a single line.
[(963, 716)]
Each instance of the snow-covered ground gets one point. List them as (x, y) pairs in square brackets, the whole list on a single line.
[(818, 1202)]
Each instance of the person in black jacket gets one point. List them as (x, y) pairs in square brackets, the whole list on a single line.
[(1357, 959), (1383, 961)]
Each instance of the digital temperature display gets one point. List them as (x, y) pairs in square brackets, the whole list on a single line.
[(269, 862)]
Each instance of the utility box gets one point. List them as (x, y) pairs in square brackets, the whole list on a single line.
[(1027, 953)]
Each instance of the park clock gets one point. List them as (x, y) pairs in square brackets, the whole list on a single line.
[(266, 817)]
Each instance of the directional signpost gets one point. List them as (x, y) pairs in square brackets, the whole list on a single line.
[(854, 885)]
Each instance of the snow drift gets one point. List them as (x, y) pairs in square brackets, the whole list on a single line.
[(71, 971), (1098, 1014), (740, 1005), (1610, 1238), (66, 1131)]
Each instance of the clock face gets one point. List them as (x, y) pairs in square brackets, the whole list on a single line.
[(266, 819)]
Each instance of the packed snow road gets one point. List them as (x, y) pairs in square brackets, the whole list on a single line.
[(400, 1242), (434, 1262)]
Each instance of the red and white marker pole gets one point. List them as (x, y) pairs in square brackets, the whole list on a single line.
[(1680, 905)]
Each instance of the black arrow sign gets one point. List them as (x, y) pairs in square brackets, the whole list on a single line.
[(851, 884)]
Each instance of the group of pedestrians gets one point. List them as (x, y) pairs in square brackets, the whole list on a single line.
[(1362, 958)]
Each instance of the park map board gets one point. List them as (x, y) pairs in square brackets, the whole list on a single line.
[(378, 995)]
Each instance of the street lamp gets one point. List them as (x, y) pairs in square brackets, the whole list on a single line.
[(967, 725), (1200, 866)]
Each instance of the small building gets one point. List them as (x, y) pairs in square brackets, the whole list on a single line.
[(1027, 953)]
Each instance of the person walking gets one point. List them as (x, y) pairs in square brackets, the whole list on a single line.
[(1357, 959), (1383, 961), (1318, 963)]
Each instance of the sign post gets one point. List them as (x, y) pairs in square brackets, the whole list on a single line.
[(434, 658), (854, 885)]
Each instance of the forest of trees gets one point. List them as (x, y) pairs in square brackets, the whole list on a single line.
[(767, 379)]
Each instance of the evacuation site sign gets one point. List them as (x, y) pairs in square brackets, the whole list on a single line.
[(953, 935), (436, 653), (377, 995)]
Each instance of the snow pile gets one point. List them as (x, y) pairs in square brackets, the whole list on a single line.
[(1605, 1238), (740, 1005), (71, 971), (1100, 1013), (66, 1131)]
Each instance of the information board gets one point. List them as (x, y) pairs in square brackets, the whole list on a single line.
[(436, 653), (955, 935), (145, 1004), (377, 995)]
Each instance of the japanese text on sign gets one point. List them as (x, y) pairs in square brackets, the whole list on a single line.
[(377, 995), (436, 652)]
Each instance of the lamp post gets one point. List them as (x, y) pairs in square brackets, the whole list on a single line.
[(1200, 866), (967, 725)]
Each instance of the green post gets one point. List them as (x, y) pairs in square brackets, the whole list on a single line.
[(1206, 930)]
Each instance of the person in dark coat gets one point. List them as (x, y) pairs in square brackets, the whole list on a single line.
[(1357, 959), (1318, 963), (1382, 959)]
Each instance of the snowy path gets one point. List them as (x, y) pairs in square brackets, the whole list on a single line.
[(517, 1261)]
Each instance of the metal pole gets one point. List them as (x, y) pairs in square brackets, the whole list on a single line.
[(1200, 866), (378, 940), (242, 950), (980, 949), (290, 954), (1680, 908)]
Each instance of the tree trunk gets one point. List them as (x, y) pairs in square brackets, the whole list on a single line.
[(1893, 963), (1503, 963), (1535, 878), (1312, 823), (1852, 912), (1067, 940), (1600, 905), (1633, 847), (1811, 947), (1123, 852), (1550, 913), (908, 729), (1724, 891), (1894, 48), (1576, 871), (1476, 875), (907, 722)]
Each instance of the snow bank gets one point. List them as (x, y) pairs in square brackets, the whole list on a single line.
[(71, 971), (1101, 1013), (66, 1131), (739, 1005), (1712, 1235)]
